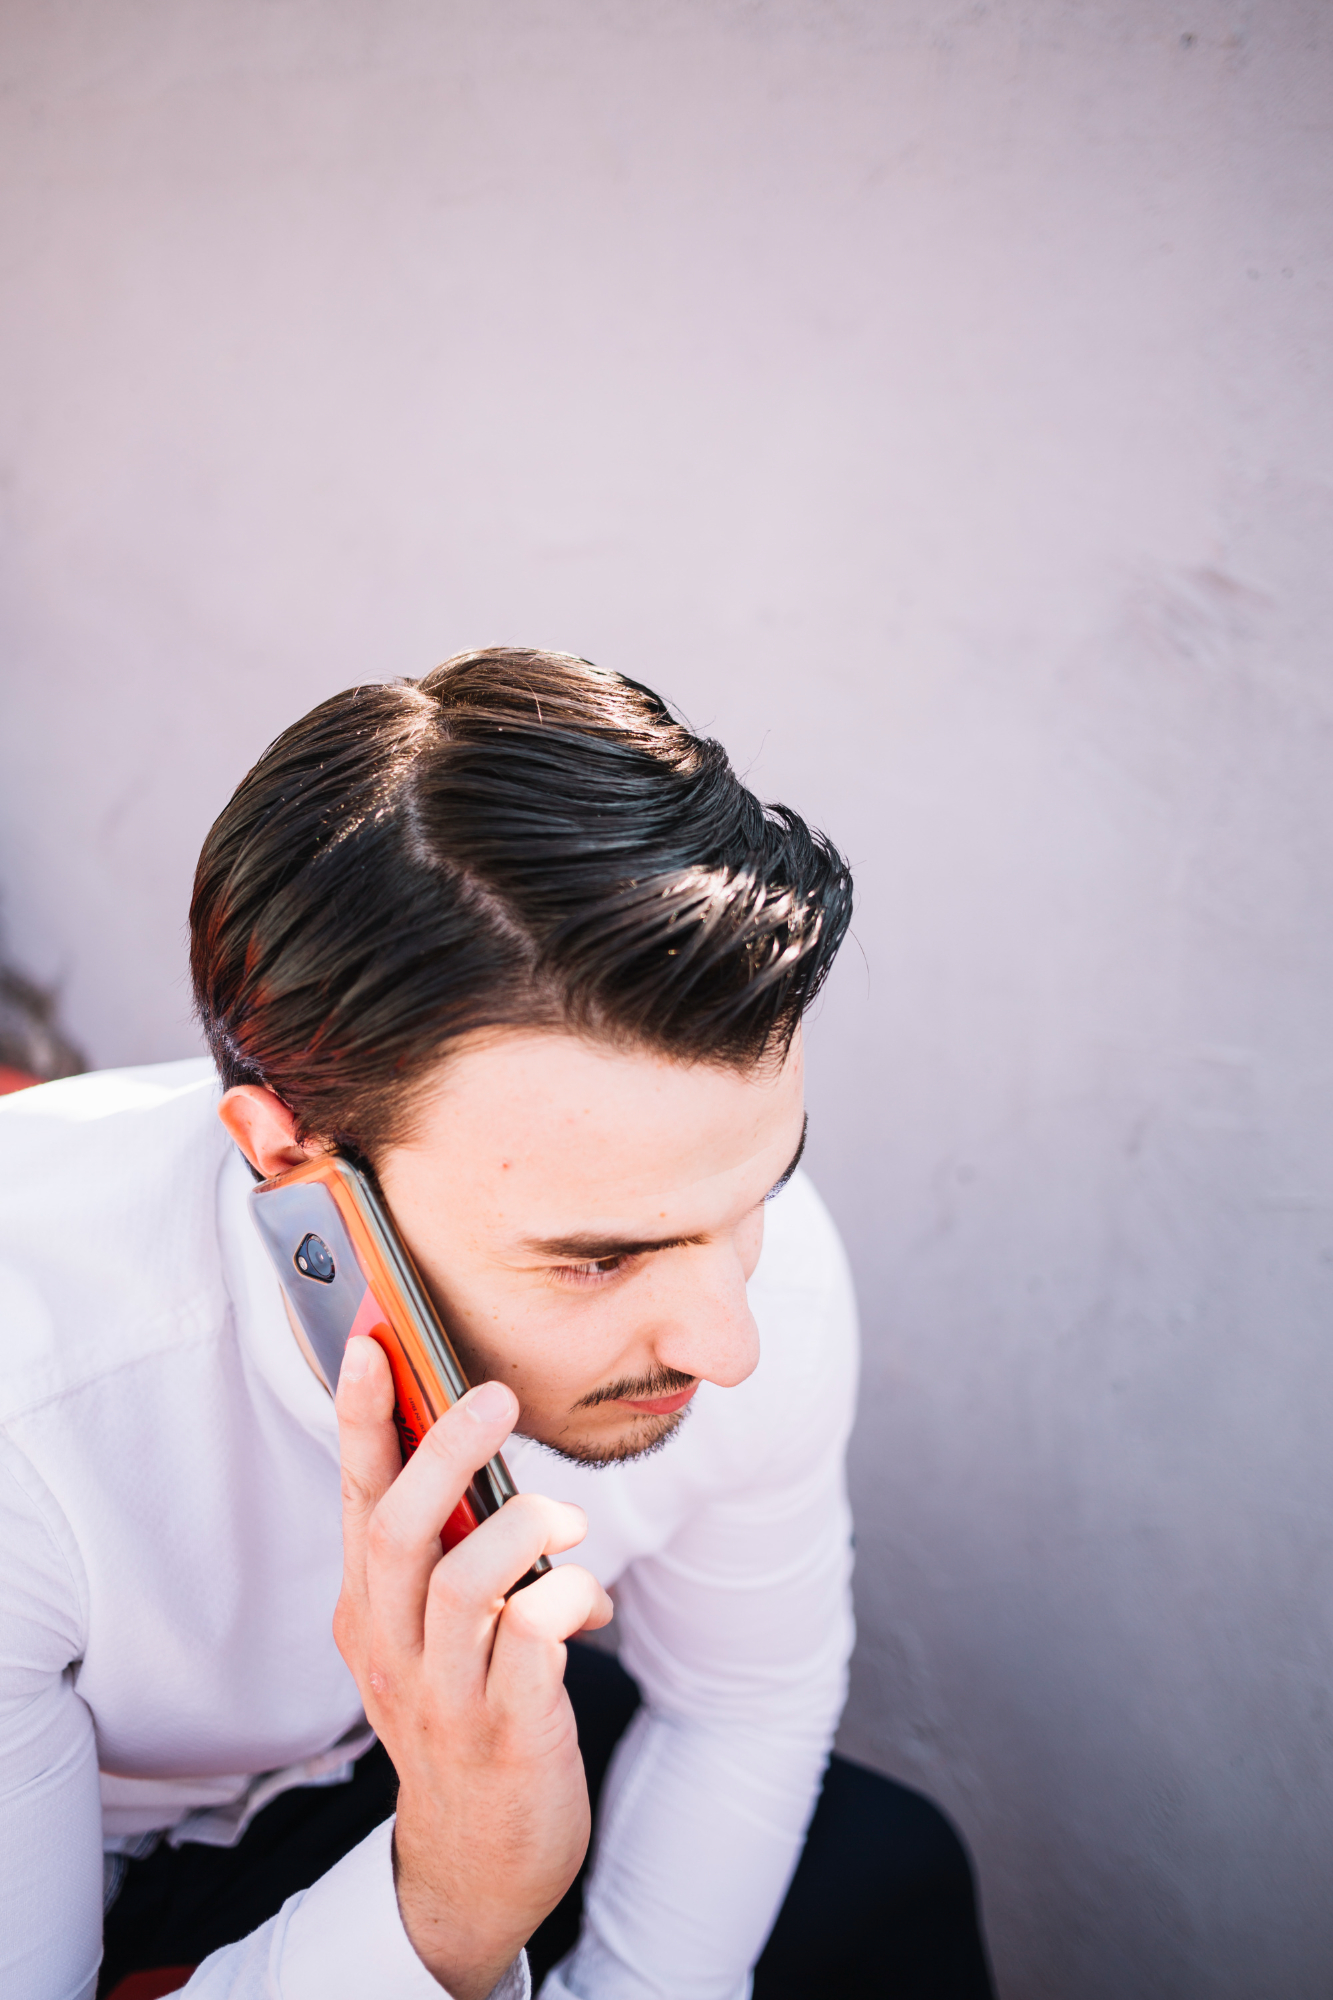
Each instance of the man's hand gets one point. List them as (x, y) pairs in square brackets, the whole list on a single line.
[(465, 1690)]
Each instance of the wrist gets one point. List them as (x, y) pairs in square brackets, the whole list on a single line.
[(466, 1943)]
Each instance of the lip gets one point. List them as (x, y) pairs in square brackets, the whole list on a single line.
[(662, 1406)]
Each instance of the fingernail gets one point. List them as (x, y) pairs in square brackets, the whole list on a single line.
[(490, 1403), (356, 1358)]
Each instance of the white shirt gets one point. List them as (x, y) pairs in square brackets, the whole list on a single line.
[(170, 1555)]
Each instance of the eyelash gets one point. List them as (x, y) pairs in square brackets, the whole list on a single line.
[(589, 1274), (610, 1267)]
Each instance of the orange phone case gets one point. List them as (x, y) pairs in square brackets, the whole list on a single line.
[(383, 1296)]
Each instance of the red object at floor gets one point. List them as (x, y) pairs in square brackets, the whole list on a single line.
[(151, 1985)]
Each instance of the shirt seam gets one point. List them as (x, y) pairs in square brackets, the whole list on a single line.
[(197, 1309)]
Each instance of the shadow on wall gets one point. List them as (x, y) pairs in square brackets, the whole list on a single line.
[(33, 1048)]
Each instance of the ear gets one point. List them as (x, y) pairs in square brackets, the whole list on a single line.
[(264, 1129)]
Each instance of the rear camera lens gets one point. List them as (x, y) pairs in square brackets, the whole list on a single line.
[(314, 1259)]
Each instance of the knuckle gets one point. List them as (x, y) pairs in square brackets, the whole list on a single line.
[(357, 1493), (524, 1616), (530, 1511), (383, 1541), (442, 1442), (447, 1590)]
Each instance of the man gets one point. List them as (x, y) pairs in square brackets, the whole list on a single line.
[(518, 942)]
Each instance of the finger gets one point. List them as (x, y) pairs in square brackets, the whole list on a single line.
[(403, 1535), (467, 1589), (482, 1569), (527, 1669), (367, 1443), (603, 1615)]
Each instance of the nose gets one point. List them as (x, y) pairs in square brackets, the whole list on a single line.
[(702, 1320)]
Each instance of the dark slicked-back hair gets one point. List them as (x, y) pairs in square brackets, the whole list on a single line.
[(520, 839)]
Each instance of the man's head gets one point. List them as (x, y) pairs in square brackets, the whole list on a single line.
[(519, 941)]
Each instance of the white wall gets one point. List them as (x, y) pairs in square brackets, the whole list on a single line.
[(933, 399)]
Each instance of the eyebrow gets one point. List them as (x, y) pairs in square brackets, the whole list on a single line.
[(592, 1249)]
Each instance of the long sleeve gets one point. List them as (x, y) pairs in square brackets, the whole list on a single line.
[(339, 1940), (738, 1633), (50, 1808)]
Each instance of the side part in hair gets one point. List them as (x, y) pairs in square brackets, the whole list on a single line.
[(519, 839)]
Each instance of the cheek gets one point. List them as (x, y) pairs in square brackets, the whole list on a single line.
[(555, 1349)]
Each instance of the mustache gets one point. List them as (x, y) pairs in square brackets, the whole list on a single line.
[(638, 1388)]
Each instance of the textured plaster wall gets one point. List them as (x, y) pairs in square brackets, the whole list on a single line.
[(933, 400)]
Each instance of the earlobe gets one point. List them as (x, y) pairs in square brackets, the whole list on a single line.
[(264, 1128)]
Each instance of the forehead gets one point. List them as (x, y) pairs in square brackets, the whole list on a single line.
[(563, 1128)]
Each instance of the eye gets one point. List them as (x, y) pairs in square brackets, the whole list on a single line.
[(589, 1274)]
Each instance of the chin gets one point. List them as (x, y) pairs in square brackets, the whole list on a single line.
[(637, 1440)]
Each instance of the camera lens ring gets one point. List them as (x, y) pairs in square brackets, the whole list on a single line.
[(314, 1259)]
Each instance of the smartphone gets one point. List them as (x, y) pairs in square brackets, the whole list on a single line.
[(345, 1269)]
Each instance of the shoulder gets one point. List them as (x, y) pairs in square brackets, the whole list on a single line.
[(108, 1238), (101, 1099)]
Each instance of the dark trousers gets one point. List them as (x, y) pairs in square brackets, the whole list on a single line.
[(882, 1905)]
